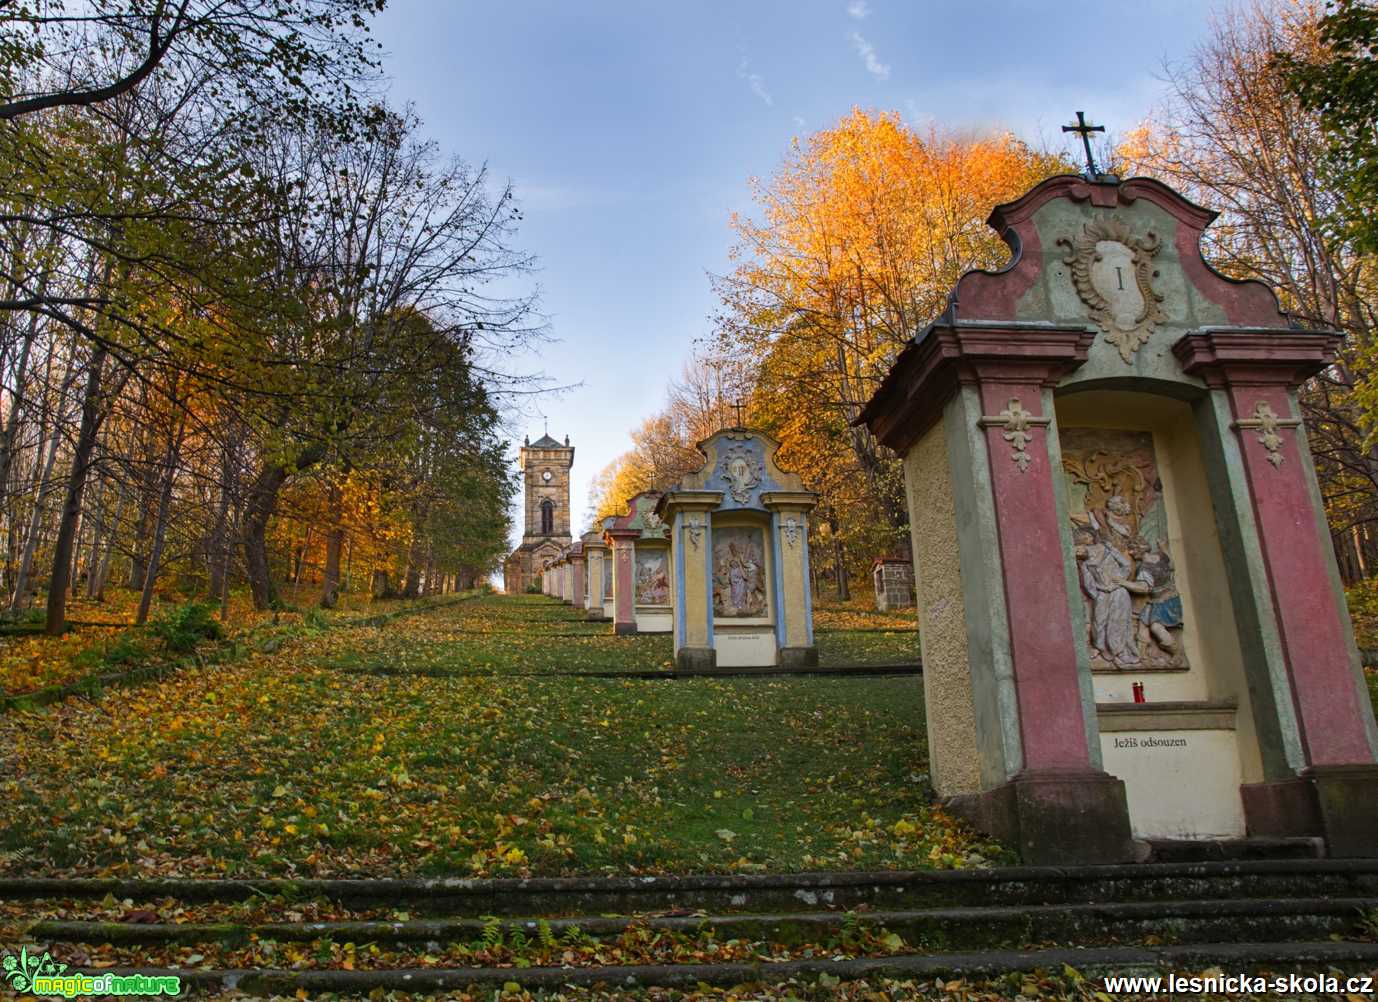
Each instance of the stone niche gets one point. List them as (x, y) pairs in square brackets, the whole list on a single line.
[(893, 578), (741, 558), (1110, 492), (1155, 601), (643, 600)]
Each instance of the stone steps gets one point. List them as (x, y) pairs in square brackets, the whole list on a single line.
[(718, 894), (1303, 958), (1307, 915), (1251, 919)]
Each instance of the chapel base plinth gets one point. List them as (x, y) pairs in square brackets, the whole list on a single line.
[(1054, 817), (596, 615), (696, 659), (798, 657), (1284, 808), (624, 629), (1347, 801)]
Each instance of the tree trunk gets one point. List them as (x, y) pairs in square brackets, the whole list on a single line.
[(12, 419), (334, 545), (261, 501), (415, 558), (81, 464), (412, 587), (138, 557), (102, 575), (300, 562), (174, 451), (42, 488), (430, 575), (220, 563), (839, 564), (20, 599)]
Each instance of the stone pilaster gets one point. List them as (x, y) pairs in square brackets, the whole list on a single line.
[(1299, 598), (790, 530), (623, 544), (577, 578), (595, 554), (1060, 806), (687, 512)]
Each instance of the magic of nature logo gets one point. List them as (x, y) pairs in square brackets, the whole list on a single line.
[(38, 974)]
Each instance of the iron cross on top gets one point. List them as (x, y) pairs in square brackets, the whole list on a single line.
[(1084, 129), (738, 407)]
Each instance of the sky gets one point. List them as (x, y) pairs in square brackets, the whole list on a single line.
[(630, 130)]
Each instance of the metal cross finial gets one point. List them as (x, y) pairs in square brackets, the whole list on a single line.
[(739, 405), (1083, 129)]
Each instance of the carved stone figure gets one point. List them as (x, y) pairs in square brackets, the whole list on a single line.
[(1119, 525), (1105, 573), (652, 578), (739, 572)]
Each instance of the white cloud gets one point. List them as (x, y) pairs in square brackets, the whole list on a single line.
[(867, 52), (757, 82), (798, 121), (859, 9)]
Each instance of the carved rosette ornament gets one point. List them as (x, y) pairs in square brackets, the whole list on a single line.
[(1113, 273), (742, 471), (1016, 421)]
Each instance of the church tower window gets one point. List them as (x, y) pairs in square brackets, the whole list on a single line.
[(547, 518)]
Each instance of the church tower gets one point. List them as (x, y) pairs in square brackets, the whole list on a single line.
[(545, 482), (545, 467)]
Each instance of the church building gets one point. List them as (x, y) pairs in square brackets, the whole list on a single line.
[(545, 490)]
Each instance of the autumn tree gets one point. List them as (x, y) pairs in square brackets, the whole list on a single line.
[(1338, 81), (1236, 136), (857, 240), (229, 276), (703, 400)]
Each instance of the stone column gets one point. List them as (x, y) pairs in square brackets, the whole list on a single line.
[(593, 586), (687, 512), (576, 564), (1317, 687), (1041, 787), (623, 544), (790, 531)]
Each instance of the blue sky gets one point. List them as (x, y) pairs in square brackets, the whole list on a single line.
[(630, 130)]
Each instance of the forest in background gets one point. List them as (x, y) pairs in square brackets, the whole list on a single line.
[(864, 229), (247, 332)]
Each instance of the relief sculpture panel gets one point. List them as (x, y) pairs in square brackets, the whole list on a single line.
[(739, 573), (652, 577), (1119, 530)]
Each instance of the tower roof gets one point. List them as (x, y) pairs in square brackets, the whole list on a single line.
[(546, 442)]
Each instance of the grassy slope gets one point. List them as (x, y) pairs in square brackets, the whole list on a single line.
[(300, 762)]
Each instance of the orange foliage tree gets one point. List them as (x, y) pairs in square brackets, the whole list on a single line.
[(857, 240)]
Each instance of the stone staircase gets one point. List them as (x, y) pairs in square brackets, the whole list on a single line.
[(354, 936)]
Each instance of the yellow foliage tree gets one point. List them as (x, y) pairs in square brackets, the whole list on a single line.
[(858, 238)]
